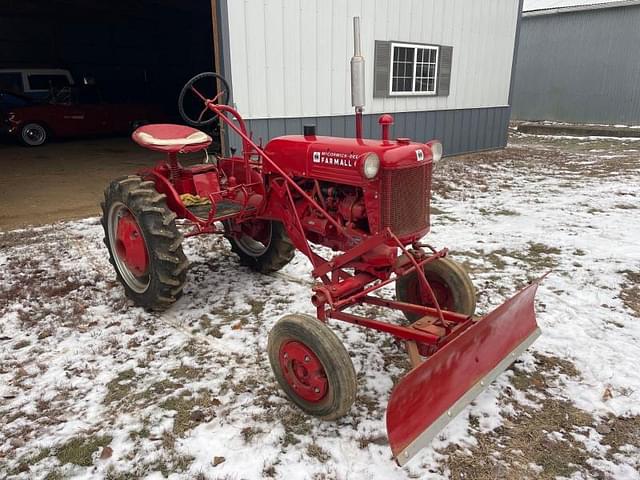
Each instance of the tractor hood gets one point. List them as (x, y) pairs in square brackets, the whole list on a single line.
[(340, 159)]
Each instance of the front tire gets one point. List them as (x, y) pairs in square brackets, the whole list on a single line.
[(33, 135), (451, 285), (312, 366), (144, 244)]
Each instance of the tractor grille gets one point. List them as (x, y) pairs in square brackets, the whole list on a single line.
[(405, 198)]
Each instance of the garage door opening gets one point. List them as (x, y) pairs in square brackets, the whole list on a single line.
[(118, 53)]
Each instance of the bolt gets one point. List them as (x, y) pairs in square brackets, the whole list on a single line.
[(449, 413), (306, 359), (286, 356), (482, 383), (317, 390)]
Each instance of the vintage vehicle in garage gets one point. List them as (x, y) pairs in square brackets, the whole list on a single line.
[(35, 83), (75, 112)]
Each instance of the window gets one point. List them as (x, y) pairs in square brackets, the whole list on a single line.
[(411, 69), (415, 69), (11, 82), (39, 81)]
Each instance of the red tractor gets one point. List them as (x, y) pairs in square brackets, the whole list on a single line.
[(367, 200)]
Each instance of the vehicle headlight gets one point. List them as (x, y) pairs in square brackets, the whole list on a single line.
[(370, 165), (436, 150)]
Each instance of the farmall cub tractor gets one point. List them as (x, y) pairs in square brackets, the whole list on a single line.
[(368, 201)]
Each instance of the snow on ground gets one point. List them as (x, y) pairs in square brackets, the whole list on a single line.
[(92, 387)]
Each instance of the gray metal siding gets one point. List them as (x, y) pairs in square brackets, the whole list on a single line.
[(460, 131), (581, 67)]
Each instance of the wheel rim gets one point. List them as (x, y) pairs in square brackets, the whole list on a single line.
[(129, 248), (441, 290), (255, 237), (33, 134), (303, 371)]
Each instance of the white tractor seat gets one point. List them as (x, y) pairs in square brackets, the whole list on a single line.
[(171, 138), (193, 139)]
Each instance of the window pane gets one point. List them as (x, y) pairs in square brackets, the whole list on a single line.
[(45, 82), (11, 82), (402, 72), (426, 70)]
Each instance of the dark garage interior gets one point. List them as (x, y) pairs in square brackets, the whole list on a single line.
[(136, 50), (129, 52)]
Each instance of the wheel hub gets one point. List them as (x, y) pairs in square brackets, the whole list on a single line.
[(303, 371), (440, 289), (130, 245)]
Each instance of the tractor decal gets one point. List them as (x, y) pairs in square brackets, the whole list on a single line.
[(335, 159)]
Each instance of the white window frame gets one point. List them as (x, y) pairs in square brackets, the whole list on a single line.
[(415, 47)]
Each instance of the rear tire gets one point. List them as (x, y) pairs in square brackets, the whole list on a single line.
[(312, 366), (270, 256), (161, 282), (451, 284), (33, 134)]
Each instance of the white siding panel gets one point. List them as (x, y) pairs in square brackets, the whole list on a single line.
[(291, 39), (273, 20), (308, 52), (291, 58)]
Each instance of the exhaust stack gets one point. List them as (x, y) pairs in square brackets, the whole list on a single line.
[(357, 77)]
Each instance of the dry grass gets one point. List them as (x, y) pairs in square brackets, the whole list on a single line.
[(630, 293), (540, 442), (80, 450)]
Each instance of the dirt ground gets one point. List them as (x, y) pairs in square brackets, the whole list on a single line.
[(62, 180)]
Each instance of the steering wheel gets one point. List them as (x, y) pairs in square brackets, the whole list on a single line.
[(195, 99)]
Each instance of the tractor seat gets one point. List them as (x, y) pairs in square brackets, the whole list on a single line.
[(167, 137)]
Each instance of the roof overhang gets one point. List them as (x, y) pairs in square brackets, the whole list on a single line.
[(580, 8)]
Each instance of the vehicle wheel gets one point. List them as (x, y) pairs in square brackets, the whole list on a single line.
[(450, 284), (33, 135), (262, 245), (144, 244), (312, 366)]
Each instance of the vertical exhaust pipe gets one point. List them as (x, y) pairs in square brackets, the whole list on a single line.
[(357, 77)]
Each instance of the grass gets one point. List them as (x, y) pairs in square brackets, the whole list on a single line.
[(249, 432), (522, 446), (316, 451), (191, 410), (120, 387), (621, 431), (28, 460), (187, 373), (79, 450), (630, 293)]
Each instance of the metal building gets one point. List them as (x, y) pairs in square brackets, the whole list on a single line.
[(441, 67), (579, 63)]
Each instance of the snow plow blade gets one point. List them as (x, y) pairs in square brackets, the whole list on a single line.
[(433, 393)]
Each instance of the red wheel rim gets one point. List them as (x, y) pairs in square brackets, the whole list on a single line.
[(303, 371), (441, 290), (130, 245)]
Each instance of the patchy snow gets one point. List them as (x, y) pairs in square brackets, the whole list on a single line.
[(190, 391), (530, 5)]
